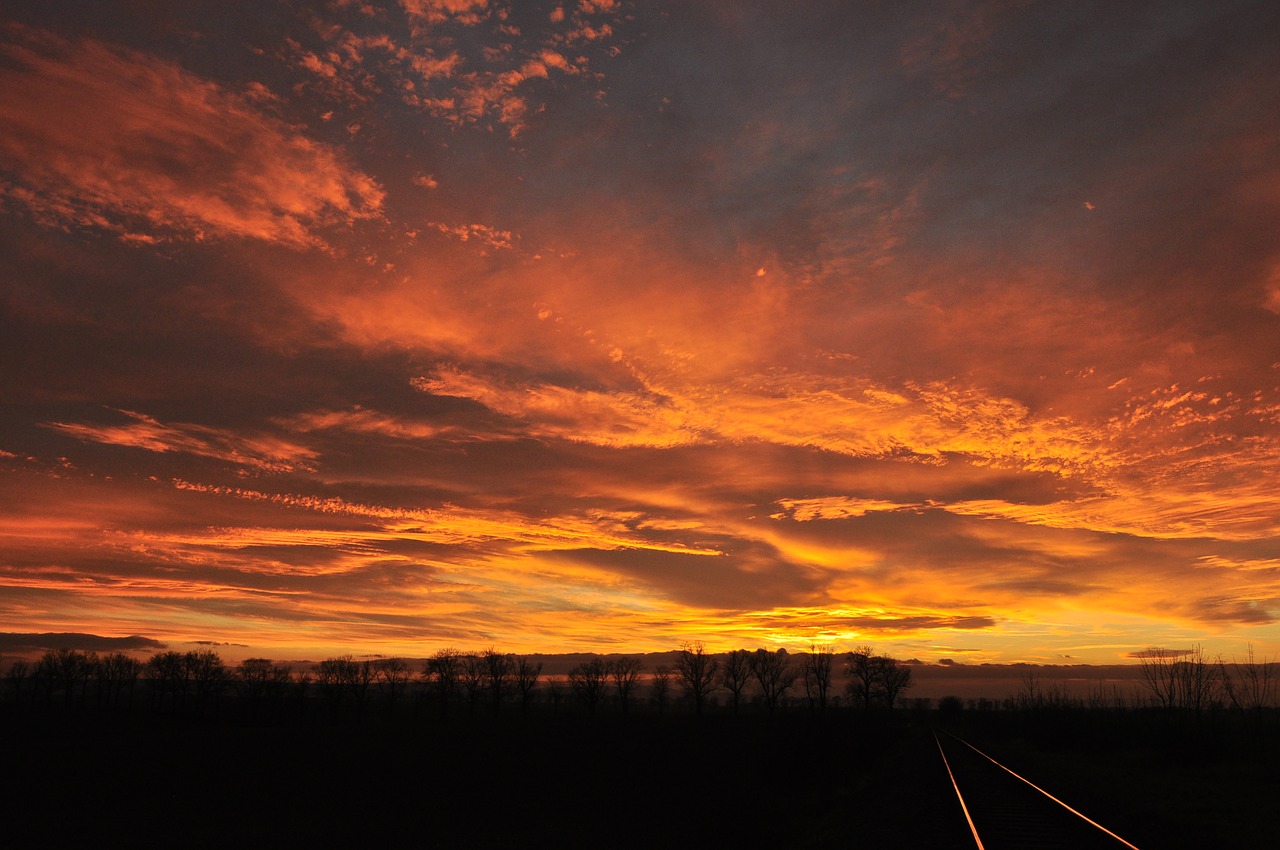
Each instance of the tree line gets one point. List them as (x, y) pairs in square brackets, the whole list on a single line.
[(453, 681)]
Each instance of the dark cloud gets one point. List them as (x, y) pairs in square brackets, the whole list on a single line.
[(1157, 652), (26, 642)]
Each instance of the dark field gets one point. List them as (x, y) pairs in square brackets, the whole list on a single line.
[(567, 779)]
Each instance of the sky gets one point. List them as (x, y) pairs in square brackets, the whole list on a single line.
[(342, 327)]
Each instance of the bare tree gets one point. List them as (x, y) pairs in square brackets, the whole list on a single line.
[(555, 690), (66, 671), (1201, 680), (281, 681), (892, 679), (253, 679), (624, 671), (1252, 687), (1158, 674), (443, 670), (660, 684), (17, 675), (263, 684), (366, 673), (474, 675), (301, 687), (337, 677), (860, 670), (86, 670), (169, 676), (697, 673), (774, 673), (875, 679), (526, 679), (1182, 679), (498, 668), (735, 674), (1030, 695), (815, 671), (393, 679), (207, 674), (117, 672), (588, 681)]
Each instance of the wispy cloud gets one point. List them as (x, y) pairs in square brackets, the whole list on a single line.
[(260, 452)]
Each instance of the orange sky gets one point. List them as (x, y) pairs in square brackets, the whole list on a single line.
[(603, 326)]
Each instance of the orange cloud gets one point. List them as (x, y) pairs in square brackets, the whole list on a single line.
[(439, 11), (629, 329), (108, 138), (261, 452)]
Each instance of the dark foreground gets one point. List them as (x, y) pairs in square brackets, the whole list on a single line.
[(571, 780)]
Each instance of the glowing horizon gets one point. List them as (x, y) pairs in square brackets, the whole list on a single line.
[(605, 326)]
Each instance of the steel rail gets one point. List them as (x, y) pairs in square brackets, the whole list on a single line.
[(1073, 811), (964, 808)]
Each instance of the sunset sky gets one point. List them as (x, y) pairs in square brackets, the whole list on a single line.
[(949, 328)]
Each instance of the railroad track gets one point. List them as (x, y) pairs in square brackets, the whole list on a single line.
[(1006, 811)]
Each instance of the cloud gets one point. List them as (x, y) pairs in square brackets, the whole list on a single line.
[(1158, 652), (27, 642), (361, 420), (535, 391), (261, 452), (482, 233), (859, 418), (439, 11), (107, 138)]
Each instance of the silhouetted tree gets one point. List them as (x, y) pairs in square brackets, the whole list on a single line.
[(393, 678), (252, 679), (366, 673), (1251, 685), (1030, 695), (625, 672), (660, 684), (735, 675), (526, 678), (336, 678), (697, 673), (168, 676), (892, 679), (860, 670), (63, 670), (875, 679), (498, 668), (588, 680), (443, 671), (44, 679), (261, 684), (1181, 679), (17, 675), (86, 669), (555, 690), (301, 687), (815, 671), (774, 673), (117, 672), (474, 674), (207, 674)]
